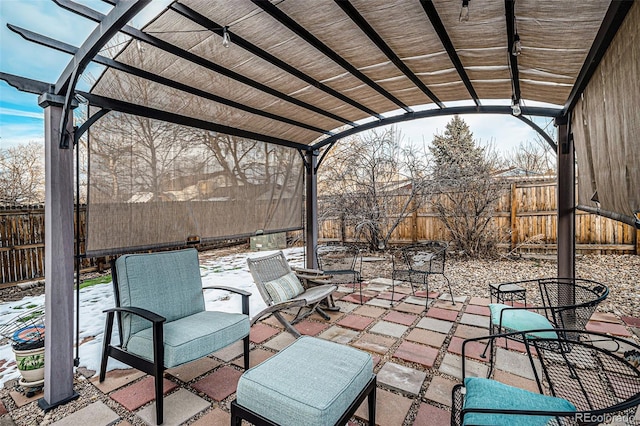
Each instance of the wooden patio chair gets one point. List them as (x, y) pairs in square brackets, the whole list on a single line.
[(162, 321), (588, 379), (282, 288)]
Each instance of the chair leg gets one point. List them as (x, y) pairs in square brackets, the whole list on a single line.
[(105, 345), (372, 406), (158, 369), (453, 302), (246, 352), (286, 324)]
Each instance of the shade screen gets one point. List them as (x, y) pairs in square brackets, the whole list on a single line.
[(155, 184)]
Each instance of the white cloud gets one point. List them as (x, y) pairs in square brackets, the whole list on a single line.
[(20, 113)]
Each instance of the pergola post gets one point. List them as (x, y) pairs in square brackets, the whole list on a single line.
[(59, 256), (311, 207), (566, 201)]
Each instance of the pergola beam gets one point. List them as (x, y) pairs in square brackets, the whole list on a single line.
[(67, 48), (303, 33), (362, 23), (439, 28), (252, 48), (488, 109), (169, 117), (191, 57), (509, 6)]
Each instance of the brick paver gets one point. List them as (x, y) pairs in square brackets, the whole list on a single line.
[(443, 314), (478, 310), (410, 308), (420, 354), (430, 415), (605, 327), (634, 322), (219, 384), (400, 318), (261, 332), (396, 296), (138, 394), (472, 349), (310, 328), (427, 337), (369, 311), (191, 370), (480, 301), (355, 322), (374, 343)]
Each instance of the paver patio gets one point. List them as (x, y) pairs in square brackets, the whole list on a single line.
[(416, 356)]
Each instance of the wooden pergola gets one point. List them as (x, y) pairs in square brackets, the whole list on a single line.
[(303, 75)]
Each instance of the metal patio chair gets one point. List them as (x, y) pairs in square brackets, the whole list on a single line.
[(588, 379), (162, 321), (342, 262), (282, 288), (565, 303), (416, 263)]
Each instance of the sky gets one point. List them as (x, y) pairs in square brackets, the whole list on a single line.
[(22, 121)]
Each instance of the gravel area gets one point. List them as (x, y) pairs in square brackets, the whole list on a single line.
[(621, 273)]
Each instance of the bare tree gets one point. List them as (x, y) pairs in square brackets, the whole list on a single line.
[(464, 193), (372, 183), (22, 174), (532, 159)]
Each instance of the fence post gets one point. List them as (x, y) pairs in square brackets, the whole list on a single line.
[(514, 217)]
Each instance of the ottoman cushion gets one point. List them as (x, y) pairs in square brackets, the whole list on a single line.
[(310, 382)]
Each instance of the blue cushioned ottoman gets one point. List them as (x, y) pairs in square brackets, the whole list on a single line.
[(310, 382)]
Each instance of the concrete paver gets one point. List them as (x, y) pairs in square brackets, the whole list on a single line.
[(339, 335), (115, 379), (435, 325), (391, 408), (389, 328), (439, 390), (381, 303), (400, 318), (256, 356), (430, 415), (213, 417), (515, 363), (427, 337), (401, 378), (310, 328), (179, 407), (355, 322), (475, 320), (95, 414), (261, 332), (420, 354), (280, 342), (369, 311), (374, 343), (191, 370), (452, 365), (232, 351)]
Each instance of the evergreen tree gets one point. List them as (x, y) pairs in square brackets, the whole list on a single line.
[(464, 194)]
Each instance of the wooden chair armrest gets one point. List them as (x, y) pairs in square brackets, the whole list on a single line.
[(278, 307)]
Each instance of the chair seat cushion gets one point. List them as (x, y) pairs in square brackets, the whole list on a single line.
[(487, 393), (317, 293), (521, 320), (284, 288), (310, 382), (192, 337)]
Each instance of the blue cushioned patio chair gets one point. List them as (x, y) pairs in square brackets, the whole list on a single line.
[(588, 379), (566, 303), (282, 288), (162, 321)]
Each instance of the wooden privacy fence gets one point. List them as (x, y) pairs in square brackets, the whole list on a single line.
[(525, 219), (22, 243)]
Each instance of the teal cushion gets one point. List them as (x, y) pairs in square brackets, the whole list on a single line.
[(486, 393), (310, 382), (192, 337), (521, 320), (166, 283), (284, 288)]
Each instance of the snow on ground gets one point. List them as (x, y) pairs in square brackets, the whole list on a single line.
[(230, 271)]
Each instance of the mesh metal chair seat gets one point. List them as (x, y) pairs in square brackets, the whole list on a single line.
[(282, 288), (566, 303), (415, 264), (590, 378)]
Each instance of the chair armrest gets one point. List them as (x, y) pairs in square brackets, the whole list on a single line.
[(231, 289), (308, 271), (245, 295), (298, 303), (141, 312)]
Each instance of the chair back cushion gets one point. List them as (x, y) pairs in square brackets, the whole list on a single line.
[(284, 288), (167, 283)]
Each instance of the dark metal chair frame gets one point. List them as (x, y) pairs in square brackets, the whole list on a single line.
[(156, 367), (562, 314), (349, 264), (580, 366), (407, 266), (239, 413)]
